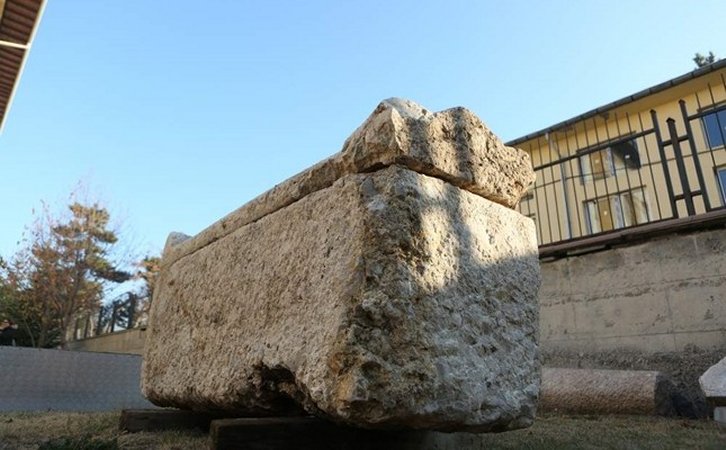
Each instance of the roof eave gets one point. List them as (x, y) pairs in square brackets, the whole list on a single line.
[(25, 47), (717, 65)]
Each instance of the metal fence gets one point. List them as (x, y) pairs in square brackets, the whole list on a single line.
[(122, 313), (621, 169)]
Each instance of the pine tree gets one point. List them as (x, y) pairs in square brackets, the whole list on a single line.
[(63, 271), (701, 60)]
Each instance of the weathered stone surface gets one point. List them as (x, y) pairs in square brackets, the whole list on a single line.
[(453, 145), (713, 383), (599, 391), (387, 299), (684, 367)]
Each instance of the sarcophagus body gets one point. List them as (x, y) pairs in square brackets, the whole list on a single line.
[(391, 285)]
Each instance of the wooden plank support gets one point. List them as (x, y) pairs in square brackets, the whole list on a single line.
[(135, 420), (305, 433)]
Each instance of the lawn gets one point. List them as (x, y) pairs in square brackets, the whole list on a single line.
[(99, 431)]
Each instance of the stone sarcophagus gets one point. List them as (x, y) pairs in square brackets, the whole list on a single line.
[(389, 286)]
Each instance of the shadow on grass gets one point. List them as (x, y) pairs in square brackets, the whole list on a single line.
[(80, 443)]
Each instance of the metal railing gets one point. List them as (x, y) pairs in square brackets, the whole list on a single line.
[(620, 170), (122, 313)]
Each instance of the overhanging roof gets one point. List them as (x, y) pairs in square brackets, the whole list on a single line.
[(18, 22), (720, 64)]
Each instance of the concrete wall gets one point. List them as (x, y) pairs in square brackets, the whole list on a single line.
[(59, 380), (658, 296), (127, 341)]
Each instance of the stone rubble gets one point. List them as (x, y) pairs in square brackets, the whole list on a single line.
[(713, 385)]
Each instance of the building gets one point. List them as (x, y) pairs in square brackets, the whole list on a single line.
[(630, 210), (19, 21), (655, 156)]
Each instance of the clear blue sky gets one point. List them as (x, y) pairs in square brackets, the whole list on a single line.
[(178, 112)]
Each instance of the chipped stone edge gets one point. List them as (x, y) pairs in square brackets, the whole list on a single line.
[(317, 177)]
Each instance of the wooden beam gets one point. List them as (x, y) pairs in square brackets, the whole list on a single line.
[(135, 420), (305, 433), (13, 45)]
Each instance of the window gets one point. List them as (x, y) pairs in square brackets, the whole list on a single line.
[(625, 153), (620, 210), (606, 162), (721, 175), (715, 126), (598, 164), (528, 197)]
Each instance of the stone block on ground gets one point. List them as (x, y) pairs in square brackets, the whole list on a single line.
[(386, 298), (150, 420), (719, 414), (600, 391), (713, 383)]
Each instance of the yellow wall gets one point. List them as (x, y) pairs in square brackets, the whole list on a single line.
[(561, 191)]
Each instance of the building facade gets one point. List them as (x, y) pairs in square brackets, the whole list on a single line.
[(654, 156)]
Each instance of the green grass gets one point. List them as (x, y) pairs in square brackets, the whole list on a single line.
[(99, 431)]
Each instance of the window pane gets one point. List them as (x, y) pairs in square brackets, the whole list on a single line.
[(639, 207), (601, 164), (715, 124), (625, 154), (593, 218), (627, 215), (722, 182), (606, 217), (616, 161), (608, 166), (596, 159), (584, 165)]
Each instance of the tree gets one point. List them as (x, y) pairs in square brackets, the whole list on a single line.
[(11, 308), (16, 303), (701, 60), (148, 272), (64, 271)]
